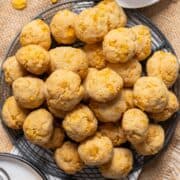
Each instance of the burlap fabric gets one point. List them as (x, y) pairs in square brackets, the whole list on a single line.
[(165, 14)]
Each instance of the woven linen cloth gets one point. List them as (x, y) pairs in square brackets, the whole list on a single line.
[(165, 14)]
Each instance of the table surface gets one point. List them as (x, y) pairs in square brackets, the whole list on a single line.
[(165, 14)]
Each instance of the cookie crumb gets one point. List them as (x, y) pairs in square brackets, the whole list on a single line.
[(54, 1), (19, 4)]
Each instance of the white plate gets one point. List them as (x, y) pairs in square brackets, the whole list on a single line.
[(132, 4), (13, 167)]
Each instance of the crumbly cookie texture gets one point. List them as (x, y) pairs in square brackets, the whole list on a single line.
[(12, 70), (80, 123), (103, 85), (143, 42), (96, 150), (135, 124), (19, 4), (115, 14), (150, 94), (13, 115), (69, 58), (153, 142), (120, 165), (95, 55), (34, 59), (119, 45), (38, 126), (56, 112), (171, 107), (91, 25), (64, 90), (163, 65), (67, 158), (86, 96), (36, 32), (110, 111), (29, 92), (56, 139), (127, 95), (62, 27), (114, 132), (130, 71)]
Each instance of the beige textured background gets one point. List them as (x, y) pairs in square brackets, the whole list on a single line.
[(165, 14)]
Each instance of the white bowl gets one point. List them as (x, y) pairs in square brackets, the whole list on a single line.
[(132, 4), (16, 168)]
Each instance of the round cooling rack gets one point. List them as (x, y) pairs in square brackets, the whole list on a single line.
[(43, 158)]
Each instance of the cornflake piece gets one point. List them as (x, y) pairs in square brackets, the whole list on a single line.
[(19, 4), (54, 1)]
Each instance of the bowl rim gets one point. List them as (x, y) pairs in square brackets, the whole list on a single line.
[(128, 6), (24, 161)]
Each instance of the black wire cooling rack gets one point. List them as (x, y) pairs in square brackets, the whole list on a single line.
[(43, 158)]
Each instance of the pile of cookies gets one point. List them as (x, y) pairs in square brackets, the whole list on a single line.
[(96, 96)]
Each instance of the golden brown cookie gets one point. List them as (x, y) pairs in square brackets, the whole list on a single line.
[(114, 132), (150, 94), (80, 123), (119, 45), (130, 71), (143, 42), (91, 25), (29, 92), (67, 158), (116, 15), (127, 95), (69, 58), (103, 85), (56, 139), (110, 111), (34, 59), (38, 126), (95, 55), (56, 112), (64, 90), (36, 32), (163, 65), (171, 107), (62, 27), (120, 165), (12, 70), (13, 115), (96, 150), (153, 142), (135, 124)]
